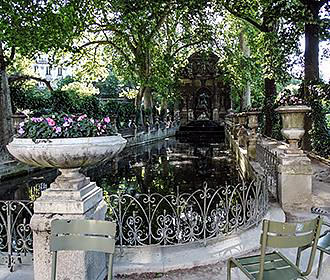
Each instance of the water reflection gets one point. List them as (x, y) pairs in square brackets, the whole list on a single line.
[(164, 167)]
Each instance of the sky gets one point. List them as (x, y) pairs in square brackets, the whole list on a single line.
[(324, 62)]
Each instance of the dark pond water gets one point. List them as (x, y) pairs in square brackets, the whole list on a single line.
[(164, 167)]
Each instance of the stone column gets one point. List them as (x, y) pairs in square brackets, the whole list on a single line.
[(190, 115), (184, 116), (242, 133), (71, 196)]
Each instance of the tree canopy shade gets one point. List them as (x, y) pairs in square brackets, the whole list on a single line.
[(30, 27), (278, 40), (144, 39), (146, 42)]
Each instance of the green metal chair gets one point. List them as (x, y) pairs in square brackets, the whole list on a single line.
[(323, 245), (269, 266), (84, 235)]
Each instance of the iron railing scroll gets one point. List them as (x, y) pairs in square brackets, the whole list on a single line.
[(178, 218), (151, 218), (16, 242)]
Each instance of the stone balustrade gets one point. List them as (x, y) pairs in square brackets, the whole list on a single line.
[(284, 164)]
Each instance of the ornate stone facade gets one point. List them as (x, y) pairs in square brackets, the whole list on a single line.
[(203, 90)]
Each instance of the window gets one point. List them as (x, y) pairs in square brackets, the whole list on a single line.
[(47, 70), (59, 71), (35, 68)]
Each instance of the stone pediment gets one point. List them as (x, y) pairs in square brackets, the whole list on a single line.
[(201, 65)]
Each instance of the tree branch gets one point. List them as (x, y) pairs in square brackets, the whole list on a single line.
[(261, 27), (105, 42), (159, 24), (107, 27), (16, 78), (12, 53), (186, 46)]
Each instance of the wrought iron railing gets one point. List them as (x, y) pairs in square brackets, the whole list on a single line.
[(152, 219), (16, 243), (155, 219), (269, 161)]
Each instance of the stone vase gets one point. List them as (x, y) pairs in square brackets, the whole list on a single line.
[(71, 196), (253, 121), (293, 124)]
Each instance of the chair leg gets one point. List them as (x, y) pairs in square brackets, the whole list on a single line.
[(229, 270), (298, 256), (110, 267), (320, 265)]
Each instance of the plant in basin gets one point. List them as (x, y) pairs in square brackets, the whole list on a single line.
[(67, 142), (292, 110)]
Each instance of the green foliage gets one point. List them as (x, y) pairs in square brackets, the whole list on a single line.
[(110, 87), (319, 100), (64, 126), (124, 111), (30, 98)]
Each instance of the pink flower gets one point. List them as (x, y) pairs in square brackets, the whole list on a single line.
[(80, 118), (106, 119), (92, 121), (36, 120), (66, 124), (50, 122), (58, 129), (21, 131)]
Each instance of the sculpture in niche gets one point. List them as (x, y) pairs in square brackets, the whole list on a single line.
[(202, 107)]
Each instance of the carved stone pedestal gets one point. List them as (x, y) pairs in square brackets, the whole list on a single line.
[(295, 181), (71, 196)]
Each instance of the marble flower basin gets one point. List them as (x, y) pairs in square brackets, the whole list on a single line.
[(66, 153)]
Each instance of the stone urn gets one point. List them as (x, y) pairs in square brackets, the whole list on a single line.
[(253, 120), (71, 196), (293, 124), (67, 154)]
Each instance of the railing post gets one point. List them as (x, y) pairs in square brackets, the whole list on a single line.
[(9, 237)]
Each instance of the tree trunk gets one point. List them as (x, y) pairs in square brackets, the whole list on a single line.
[(138, 101), (6, 124), (311, 56), (163, 109), (247, 90), (148, 104), (270, 94)]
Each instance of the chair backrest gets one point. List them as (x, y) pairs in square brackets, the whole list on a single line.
[(290, 235), (85, 235)]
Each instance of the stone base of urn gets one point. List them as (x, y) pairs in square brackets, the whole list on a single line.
[(295, 181), (252, 147), (71, 196)]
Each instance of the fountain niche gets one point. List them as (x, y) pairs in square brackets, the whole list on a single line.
[(205, 100)]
